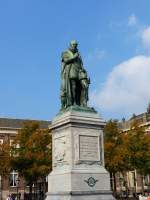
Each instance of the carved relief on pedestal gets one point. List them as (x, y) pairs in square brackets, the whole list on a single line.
[(59, 151), (76, 147)]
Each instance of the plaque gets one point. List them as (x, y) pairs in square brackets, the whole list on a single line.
[(89, 148)]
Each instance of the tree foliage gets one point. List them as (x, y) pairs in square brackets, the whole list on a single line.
[(126, 150), (116, 152), (32, 155), (5, 157), (139, 148)]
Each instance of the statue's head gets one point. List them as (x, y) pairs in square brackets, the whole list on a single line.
[(73, 45)]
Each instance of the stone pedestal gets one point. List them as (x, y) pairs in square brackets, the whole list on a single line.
[(78, 158)]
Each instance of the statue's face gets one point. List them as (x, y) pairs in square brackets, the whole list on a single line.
[(73, 46)]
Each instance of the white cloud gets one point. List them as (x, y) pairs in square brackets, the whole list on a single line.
[(132, 20), (126, 89), (145, 36)]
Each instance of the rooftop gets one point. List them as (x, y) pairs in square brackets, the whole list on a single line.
[(18, 123)]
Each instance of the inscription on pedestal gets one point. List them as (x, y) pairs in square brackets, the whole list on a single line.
[(89, 148)]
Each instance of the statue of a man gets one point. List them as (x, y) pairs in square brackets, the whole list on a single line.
[(74, 81)]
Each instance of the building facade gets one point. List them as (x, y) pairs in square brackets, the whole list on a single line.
[(132, 180), (13, 183)]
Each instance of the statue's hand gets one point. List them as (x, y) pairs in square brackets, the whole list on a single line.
[(76, 55)]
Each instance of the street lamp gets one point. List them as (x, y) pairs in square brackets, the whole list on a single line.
[(1, 187), (121, 180), (17, 183)]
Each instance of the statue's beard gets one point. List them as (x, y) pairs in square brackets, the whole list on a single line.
[(74, 50)]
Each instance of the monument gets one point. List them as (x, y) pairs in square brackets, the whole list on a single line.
[(77, 131)]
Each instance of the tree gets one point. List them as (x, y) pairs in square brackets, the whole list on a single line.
[(32, 153), (116, 152), (5, 160), (5, 157), (139, 150)]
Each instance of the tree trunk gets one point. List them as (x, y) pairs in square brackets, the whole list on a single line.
[(35, 190), (111, 181), (126, 185), (1, 187), (43, 192), (30, 191), (142, 185), (114, 180)]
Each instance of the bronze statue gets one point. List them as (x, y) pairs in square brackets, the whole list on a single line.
[(74, 80)]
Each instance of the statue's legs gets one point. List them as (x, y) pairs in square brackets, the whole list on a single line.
[(84, 92), (73, 91), (83, 98)]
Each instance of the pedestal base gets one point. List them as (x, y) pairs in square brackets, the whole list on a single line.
[(101, 195), (79, 184), (78, 158)]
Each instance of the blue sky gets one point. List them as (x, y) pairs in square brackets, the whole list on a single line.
[(114, 41)]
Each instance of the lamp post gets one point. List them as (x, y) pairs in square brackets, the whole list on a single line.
[(121, 180), (1, 187), (17, 183)]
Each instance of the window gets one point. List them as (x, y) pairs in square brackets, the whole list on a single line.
[(146, 180), (13, 179), (0, 183), (11, 142), (132, 179), (1, 141)]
